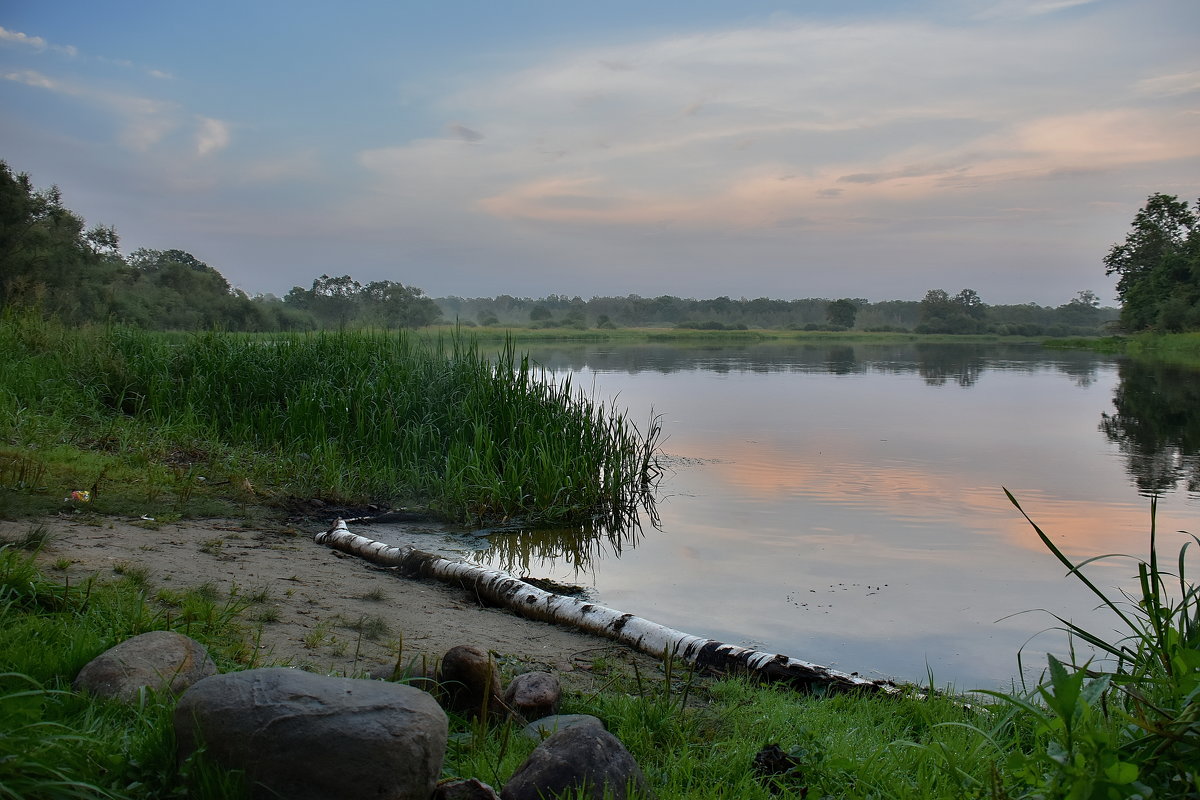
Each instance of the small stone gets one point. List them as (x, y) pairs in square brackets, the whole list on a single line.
[(548, 726), (533, 695), (471, 681), (583, 761), (161, 661)]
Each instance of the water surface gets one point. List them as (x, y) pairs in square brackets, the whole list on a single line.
[(845, 504)]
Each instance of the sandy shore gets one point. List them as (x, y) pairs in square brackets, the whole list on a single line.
[(317, 600)]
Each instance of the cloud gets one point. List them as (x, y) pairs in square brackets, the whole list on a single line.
[(1029, 8), (36, 42), (32, 78), (212, 135), (464, 133), (1176, 84), (145, 122), (869, 108)]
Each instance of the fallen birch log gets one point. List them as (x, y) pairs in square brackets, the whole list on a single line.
[(649, 637)]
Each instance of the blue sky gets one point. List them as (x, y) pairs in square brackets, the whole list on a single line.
[(692, 147)]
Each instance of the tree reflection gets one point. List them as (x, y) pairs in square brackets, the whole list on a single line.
[(1157, 425), (938, 364), (519, 551)]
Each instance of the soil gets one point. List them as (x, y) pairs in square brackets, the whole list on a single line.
[(323, 610)]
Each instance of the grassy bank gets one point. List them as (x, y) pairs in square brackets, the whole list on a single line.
[(686, 335), (188, 424), (1124, 727), (1175, 348), (1179, 348)]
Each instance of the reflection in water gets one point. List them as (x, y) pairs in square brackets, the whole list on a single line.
[(1157, 425), (578, 548), (799, 474), (939, 364)]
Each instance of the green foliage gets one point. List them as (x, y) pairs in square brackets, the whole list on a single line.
[(724, 313), (842, 313), (1129, 724), (1158, 266), (351, 415), (342, 301), (47, 256), (963, 313), (55, 743), (41, 759), (49, 261)]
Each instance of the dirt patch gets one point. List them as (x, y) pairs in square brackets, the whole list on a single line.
[(316, 608)]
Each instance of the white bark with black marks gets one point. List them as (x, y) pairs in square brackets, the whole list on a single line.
[(649, 637)]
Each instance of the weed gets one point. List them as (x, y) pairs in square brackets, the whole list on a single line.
[(33, 539), (371, 627), (375, 595), (212, 546), (42, 757), (316, 637), (259, 596), (134, 574), (1129, 723)]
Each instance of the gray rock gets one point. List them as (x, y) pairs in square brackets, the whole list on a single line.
[(471, 681), (472, 789), (548, 726), (583, 758), (533, 695), (161, 661), (310, 737)]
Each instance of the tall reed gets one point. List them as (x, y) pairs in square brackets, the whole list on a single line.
[(352, 415)]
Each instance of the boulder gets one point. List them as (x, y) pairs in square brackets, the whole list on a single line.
[(471, 681), (548, 726), (583, 761), (161, 661), (533, 695), (311, 737)]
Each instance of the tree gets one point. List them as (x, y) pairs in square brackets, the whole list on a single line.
[(1085, 298), (941, 313), (841, 312), (971, 304), (47, 255), (394, 305), (1158, 267)]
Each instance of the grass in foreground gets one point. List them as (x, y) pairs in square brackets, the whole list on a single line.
[(196, 424), (1124, 726)]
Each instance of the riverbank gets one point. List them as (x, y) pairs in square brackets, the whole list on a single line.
[(270, 591), (307, 606)]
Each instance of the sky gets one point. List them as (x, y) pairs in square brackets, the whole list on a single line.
[(697, 148)]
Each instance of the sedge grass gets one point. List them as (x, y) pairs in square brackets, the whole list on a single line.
[(347, 416)]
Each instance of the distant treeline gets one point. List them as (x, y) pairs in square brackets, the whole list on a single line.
[(938, 312), (48, 257)]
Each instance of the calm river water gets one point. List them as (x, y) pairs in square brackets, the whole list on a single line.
[(844, 504)]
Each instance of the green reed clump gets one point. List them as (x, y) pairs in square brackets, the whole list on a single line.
[(1127, 724), (347, 415), (387, 415)]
